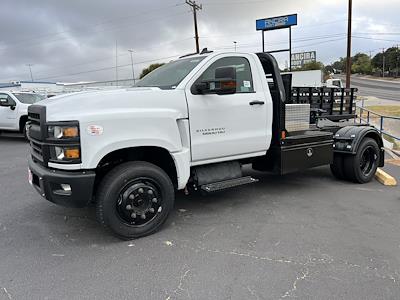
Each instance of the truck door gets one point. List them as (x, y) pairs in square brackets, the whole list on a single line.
[(7, 115), (226, 126)]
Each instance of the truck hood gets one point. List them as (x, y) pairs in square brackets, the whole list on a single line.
[(83, 106)]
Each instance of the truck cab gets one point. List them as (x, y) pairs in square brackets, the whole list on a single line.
[(190, 125), (14, 109)]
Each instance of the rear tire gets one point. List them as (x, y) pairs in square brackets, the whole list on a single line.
[(337, 167), (361, 168), (134, 199)]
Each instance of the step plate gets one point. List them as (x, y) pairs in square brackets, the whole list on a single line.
[(227, 184)]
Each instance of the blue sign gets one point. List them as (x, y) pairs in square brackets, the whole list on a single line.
[(276, 22)]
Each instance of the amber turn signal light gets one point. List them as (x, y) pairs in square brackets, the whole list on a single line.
[(72, 153)]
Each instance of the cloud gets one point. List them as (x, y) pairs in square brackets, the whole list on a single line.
[(71, 40)]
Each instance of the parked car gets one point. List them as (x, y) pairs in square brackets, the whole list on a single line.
[(14, 110)]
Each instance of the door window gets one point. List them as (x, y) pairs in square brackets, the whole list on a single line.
[(243, 72), (3, 96)]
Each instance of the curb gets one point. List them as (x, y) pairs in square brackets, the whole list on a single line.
[(385, 178)]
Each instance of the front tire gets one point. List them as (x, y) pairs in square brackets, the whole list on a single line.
[(134, 199), (361, 168)]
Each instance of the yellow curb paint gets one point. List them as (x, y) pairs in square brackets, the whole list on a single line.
[(385, 178)]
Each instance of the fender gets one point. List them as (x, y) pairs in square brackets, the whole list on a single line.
[(347, 140)]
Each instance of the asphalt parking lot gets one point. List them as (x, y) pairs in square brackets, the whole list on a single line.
[(304, 236)]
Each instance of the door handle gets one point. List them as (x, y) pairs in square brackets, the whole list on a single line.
[(257, 103)]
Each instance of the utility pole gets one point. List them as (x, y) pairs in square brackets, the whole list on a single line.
[(348, 61), (133, 69), (30, 70), (397, 61), (383, 62), (195, 8), (116, 63), (235, 43)]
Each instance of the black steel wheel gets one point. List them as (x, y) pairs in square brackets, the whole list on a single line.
[(139, 201), (361, 168), (134, 199)]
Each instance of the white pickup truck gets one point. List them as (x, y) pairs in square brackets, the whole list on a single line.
[(189, 125), (14, 110)]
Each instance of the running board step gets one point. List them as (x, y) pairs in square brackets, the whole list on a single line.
[(227, 184)]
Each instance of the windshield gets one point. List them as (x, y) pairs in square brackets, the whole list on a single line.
[(29, 98), (170, 75)]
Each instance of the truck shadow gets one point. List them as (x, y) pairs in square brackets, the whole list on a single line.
[(269, 188), (12, 139), (79, 226)]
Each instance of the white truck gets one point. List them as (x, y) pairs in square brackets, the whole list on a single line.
[(189, 125), (313, 78), (14, 110)]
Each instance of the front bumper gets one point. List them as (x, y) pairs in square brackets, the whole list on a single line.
[(51, 185)]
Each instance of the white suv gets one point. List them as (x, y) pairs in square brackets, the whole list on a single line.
[(14, 110)]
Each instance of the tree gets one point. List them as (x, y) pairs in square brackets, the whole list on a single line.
[(149, 69), (339, 65), (377, 61), (361, 63), (314, 65), (392, 59)]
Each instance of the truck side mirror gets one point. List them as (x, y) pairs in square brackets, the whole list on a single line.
[(7, 102), (224, 83)]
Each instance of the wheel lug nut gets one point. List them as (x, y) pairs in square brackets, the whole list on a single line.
[(143, 216), (140, 191), (128, 207), (133, 215), (151, 210), (150, 192), (132, 196), (154, 200)]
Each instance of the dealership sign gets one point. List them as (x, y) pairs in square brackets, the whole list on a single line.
[(276, 22), (300, 59)]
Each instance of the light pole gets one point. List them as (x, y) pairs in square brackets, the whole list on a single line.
[(235, 43), (133, 69), (30, 70)]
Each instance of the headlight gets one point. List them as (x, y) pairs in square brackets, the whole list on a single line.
[(63, 132), (63, 142), (66, 154)]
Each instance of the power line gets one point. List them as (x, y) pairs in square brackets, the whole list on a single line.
[(98, 60), (170, 16), (94, 25), (304, 39), (375, 39), (107, 68)]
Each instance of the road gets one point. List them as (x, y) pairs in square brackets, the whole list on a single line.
[(304, 236), (380, 89)]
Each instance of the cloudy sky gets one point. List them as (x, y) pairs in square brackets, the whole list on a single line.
[(76, 40)]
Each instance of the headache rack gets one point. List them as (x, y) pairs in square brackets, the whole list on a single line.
[(335, 104)]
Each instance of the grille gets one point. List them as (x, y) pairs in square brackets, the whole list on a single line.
[(36, 118), (37, 150)]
